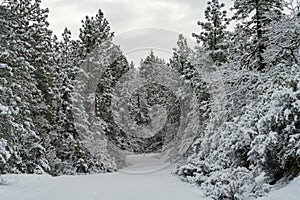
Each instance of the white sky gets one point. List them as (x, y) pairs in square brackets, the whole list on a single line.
[(139, 25)]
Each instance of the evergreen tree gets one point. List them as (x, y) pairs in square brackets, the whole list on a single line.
[(115, 66), (68, 66), (150, 67), (183, 61), (94, 31), (63, 138), (186, 62), (26, 54), (78, 145), (101, 65), (181, 55), (284, 41), (254, 16), (213, 35)]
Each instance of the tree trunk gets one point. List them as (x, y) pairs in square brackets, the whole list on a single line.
[(259, 34)]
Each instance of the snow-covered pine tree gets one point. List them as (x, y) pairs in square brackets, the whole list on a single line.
[(254, 16), (117, 66), (68, 64), (150, 67), (284, 41), (42, 59), (183, 61), (153, 108), (62, 144), (101, 65), (149, 70), (94, 31), (181, 55), (7, 136), (26, 61), (213, 36)]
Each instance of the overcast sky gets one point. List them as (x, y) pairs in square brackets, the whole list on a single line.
[(139, 25)]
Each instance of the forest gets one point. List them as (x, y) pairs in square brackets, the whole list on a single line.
[(226, 112)]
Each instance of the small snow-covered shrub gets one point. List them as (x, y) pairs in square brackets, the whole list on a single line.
[(196, 172), (222, 183), (233, 183)]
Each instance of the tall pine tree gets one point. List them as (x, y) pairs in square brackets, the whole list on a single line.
[(254, 16), (94, 31), (213, 35), (28, 59)]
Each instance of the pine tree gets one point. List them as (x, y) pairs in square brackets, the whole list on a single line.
[(101, 65), (94, 31), (22, 57), (284, 41), (254, 16), (68, 66), (213, 35), (113, 69), (62, 137), (183, 61), (150, 67)]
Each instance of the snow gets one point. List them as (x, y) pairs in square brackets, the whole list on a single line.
[(3, 109), (145, 163), (290, 192), (147, 177)]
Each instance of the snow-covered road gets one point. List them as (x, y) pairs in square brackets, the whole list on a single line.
[(140, 181)]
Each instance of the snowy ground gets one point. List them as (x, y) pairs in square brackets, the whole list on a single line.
[(146, 178), (288, 192)]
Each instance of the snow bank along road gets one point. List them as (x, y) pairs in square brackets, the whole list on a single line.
[(139, 181)]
